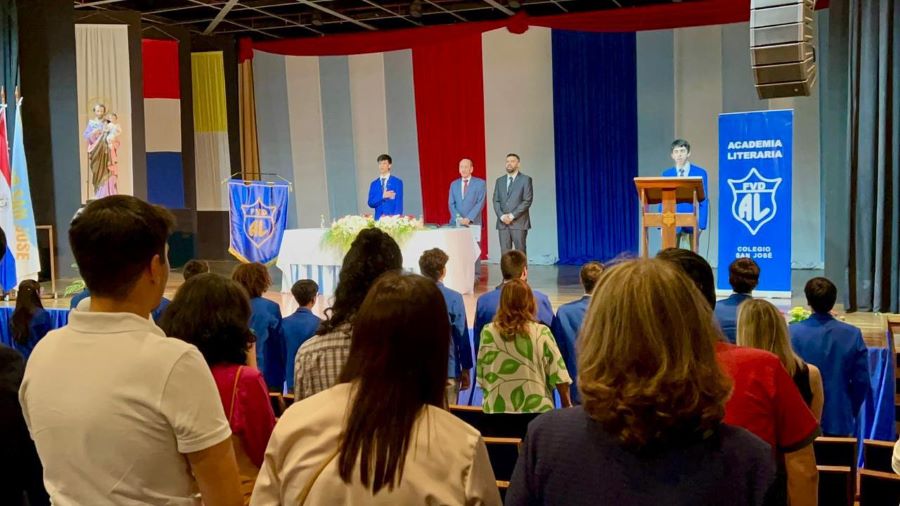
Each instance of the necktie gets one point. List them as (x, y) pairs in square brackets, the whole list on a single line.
[(465, 187), (383, 184), (682, 172), (509, 181)]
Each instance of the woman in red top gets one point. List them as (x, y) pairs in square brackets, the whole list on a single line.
[(213, 314)]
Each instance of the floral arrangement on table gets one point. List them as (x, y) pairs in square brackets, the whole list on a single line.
[(799, 313), (343, 231)]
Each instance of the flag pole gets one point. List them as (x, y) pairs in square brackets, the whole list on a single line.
[(2, 95)]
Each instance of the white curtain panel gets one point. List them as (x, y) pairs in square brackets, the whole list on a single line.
[(103, 76)]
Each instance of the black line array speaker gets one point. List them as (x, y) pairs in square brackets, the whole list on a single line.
[(781, 47)]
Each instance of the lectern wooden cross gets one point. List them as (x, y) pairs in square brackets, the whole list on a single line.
[(668, 191)]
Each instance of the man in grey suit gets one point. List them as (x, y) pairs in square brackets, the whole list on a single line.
[(513, 194), (467, 196)]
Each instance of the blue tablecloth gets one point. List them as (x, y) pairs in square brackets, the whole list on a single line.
[(876, 417), (60, 318)]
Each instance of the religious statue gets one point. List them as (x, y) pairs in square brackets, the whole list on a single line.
[(102, 134)]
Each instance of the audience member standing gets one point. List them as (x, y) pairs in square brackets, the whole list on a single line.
[(761, 325), (568, 320), (519, 363), (194, 267), (30, 322), (21, 482), (650, 430), (119, 413), (265, 321), (433, 264), (764, 400), (211, 312), (320, 359), (380, 437), (300, 326), (513, 265), (838, 350), (743, 275)]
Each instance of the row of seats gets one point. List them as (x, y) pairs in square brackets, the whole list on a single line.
[(836, 459)]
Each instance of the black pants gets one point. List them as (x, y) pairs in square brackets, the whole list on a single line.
[(510, 239)]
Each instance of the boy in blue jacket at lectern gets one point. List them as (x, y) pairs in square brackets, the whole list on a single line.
[(681, 154)]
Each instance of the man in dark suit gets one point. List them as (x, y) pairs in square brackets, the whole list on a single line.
[(513, 194), (467, 196), (681, 154), (386, 191), (568, 320)]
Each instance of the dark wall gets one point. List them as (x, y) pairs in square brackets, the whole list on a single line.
[(50, 116)]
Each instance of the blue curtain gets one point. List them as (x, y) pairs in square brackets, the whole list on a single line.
[(595, 120)]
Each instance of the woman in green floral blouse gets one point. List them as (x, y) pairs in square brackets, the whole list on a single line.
[(519, 363)]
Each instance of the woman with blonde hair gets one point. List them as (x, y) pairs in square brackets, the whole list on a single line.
[(650, 428), (519, 363), (761, 325)]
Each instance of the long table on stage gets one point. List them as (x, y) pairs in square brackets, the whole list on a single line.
[(302, 256)]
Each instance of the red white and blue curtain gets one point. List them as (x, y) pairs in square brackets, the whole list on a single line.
[(561, 92), (162, 122)]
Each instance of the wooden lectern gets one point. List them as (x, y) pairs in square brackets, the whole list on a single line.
[(668, 191)]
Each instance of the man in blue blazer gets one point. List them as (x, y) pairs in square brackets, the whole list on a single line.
[(386, 191), (568, 320), (681, 154), (467, 196), (433, 264), (743, 275), (838, 350), (300, 326), (513, 265)]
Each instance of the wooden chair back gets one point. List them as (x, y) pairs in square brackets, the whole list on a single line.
[(508, 425), (837, 485), (878, 455), (877, 488), (503, 452)]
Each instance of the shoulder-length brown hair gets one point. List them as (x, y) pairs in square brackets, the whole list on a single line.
[(516, 311), (761, 325), (647, 365), (254, 277), (398, 365)]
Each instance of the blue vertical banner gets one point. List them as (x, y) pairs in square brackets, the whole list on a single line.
[(755, 163), (258, 213)]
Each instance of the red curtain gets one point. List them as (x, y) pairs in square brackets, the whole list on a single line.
[(628, 19), (449, 93)]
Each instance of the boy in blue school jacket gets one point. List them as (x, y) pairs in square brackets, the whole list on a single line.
[(568, 320), (838, 350), (300, 326), (386, 191)]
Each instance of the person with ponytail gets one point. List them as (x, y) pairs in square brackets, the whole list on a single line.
[(30, 322)]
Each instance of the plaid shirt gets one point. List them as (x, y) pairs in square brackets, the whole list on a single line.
[(319, 362)]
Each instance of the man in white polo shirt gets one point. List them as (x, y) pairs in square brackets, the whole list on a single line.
[(121, 414)]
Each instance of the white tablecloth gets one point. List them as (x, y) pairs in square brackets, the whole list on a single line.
[(302, 257)]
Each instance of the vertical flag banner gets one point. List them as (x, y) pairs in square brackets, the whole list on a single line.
[(162, 122), (7, 220), (258, 214), (28, 262), (213, 163), (755, 164)]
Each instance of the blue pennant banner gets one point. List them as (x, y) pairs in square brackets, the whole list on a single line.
[(258, 215), (755, 163)]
